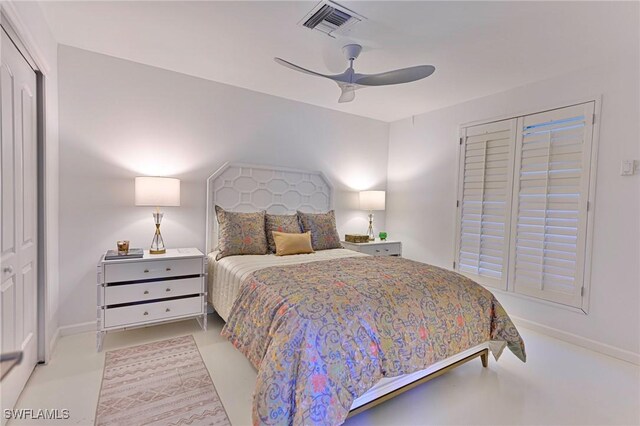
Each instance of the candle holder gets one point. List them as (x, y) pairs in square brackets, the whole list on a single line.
[(123, 247)]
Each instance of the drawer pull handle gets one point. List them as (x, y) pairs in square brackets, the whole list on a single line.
[(168, 269), (386, 249), (8, 270), (168, 289), (145, 313), (168, 310), (146, 271), (377, 251), (146, 292)]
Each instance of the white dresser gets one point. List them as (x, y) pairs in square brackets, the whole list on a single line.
[(376, 248), (150, 290)]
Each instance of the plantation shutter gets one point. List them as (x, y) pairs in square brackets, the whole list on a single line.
[(548, 234), (485, 188)]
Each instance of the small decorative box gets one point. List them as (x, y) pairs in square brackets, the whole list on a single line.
[(356, 238)]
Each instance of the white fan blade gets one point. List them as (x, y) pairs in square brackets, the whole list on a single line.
[(339, 78), (297, 68), (404, 75)]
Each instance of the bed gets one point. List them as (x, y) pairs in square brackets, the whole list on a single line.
[(335, 332)]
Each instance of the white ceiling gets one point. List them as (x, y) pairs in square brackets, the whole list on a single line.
[(478, 48)]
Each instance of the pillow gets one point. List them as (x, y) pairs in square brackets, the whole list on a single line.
[(280, 223), (324, 234), (240, 233), (296, 243)]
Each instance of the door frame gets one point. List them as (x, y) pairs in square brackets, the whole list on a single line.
[(24, 41)]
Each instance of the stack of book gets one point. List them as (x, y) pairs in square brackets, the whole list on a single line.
[(134, 253), (356, 238)]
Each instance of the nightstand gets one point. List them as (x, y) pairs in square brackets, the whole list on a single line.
[(150, 290), (376, 248)]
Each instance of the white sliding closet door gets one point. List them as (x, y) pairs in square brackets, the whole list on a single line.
[(548, 234), (18, 214), (484, 211)]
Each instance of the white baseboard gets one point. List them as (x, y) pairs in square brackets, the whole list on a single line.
[(603, 348), (82, 327)]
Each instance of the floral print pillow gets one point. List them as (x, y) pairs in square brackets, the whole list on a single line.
[(280, 223), (322, 226), (240, 233)]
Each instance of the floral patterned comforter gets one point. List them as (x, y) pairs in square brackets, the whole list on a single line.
[(322, 333)]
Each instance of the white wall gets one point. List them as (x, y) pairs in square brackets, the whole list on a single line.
[(120, 119), (423, 159), (29, 22)]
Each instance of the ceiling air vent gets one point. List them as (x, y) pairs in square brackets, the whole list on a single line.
[(329, 17)]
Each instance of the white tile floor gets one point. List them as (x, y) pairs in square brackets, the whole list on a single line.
[(561, 384)]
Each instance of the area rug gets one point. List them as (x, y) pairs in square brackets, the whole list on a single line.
[(159, 383)]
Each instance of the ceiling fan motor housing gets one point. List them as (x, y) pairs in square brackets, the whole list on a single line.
[(352, 51)]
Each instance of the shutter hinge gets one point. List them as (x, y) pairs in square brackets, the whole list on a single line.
[(593, 119), (582, 291), (454, 264), (588, 205), (457, 203), (460, 141)]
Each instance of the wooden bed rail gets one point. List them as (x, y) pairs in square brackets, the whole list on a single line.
[(484, 357)]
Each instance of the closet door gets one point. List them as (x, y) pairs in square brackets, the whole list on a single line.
[(18, 215), (484, 202), (549, 224)]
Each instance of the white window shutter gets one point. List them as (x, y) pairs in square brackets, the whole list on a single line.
[(549, 210), (485, 188)]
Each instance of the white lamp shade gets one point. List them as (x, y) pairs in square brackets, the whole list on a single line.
[(372, 200), (157, 191)]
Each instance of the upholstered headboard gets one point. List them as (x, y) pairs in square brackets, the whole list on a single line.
[(278, 190)]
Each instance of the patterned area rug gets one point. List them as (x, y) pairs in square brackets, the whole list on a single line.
[(160, 383)]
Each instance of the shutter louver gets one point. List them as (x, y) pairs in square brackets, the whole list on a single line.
[(485, 185), (550, 204)]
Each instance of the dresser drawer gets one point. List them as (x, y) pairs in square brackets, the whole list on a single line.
[(149, 312), (381, 249), (134, 271), (128, 293)]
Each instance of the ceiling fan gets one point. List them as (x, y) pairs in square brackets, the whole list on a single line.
[(349, 81)]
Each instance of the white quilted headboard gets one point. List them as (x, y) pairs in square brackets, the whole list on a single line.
[(251, 188)]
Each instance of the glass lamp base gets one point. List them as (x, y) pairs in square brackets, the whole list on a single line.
[(157, 245), (370, 233)]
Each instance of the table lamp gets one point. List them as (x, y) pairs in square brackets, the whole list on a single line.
[(370, 201), (157, 192)]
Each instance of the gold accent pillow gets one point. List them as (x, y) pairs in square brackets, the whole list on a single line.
[(287, 244)]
